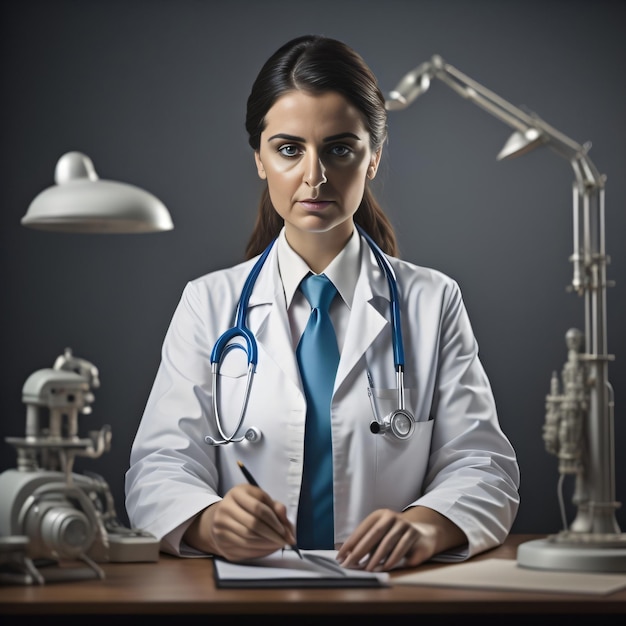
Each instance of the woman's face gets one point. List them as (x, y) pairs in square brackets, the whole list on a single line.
[(315, 155)]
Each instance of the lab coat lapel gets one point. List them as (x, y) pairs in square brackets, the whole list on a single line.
[(268, 319), (368, 316)]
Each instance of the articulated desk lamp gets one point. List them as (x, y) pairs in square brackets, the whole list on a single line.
[(50, 515), (579, 417)]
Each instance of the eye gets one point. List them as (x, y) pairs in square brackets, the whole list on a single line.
[(289, 150), (340, 150)]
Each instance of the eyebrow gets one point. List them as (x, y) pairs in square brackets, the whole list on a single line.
[(326, 139)]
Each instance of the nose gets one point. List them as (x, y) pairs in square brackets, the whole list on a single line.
[(315, 172)]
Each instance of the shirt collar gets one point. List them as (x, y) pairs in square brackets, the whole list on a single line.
[(343, 270)]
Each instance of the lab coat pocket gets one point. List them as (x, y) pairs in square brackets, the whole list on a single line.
[(386, 401), (401, 466)]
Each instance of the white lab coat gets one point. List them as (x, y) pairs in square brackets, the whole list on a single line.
[(458, 461)]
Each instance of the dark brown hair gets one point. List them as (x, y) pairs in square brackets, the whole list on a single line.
[(318, 64)]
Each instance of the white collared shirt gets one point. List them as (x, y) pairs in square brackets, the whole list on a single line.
[(343, 271)]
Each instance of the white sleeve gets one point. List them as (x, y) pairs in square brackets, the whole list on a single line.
[(473, 474), (172, 474)]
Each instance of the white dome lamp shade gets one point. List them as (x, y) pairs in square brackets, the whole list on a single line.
[(82, 203)]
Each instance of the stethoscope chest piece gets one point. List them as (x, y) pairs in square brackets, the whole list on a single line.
[(399, 423)]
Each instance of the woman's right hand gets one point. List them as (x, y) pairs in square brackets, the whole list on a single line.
[(246, 523)]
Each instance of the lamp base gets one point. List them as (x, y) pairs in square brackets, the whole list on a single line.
[(595, 554)]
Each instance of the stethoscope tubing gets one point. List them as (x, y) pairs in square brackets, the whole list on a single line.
[(240, 329), (225, 343), (396, 322)]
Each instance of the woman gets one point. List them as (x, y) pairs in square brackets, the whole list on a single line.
[(317, 123)]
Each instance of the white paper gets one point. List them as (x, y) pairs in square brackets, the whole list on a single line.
[(286, 564), (506, 574)]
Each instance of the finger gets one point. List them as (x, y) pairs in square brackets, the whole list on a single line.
[(378, 549), (392, 548), (281, 512), (355, 537), (358, 549), (232, 537), (233, 548), (258, 514)]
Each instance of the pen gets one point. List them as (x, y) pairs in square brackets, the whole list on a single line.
[(251, 480)]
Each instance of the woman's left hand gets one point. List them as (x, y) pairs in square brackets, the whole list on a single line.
[(385, 538)]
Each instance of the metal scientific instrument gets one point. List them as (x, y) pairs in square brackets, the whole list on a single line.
[(56, 524), (579, 421)]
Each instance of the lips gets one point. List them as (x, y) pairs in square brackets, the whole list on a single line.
[(315, 205)]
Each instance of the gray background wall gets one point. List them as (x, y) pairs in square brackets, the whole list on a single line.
[(154, 92)]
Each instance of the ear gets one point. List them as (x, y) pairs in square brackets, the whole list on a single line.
[(374, 161), (259, 166)]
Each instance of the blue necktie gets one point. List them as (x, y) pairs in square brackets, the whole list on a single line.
[(318, 357)]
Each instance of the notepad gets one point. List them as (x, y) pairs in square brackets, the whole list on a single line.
[(284, 568)]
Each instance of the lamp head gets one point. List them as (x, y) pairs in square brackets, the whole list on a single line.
[(414, 84), (521, 142), (82, 203)]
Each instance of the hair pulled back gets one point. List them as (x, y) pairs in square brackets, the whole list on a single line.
[(317, 65)]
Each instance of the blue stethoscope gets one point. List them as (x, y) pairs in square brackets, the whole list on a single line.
[(399, 422)]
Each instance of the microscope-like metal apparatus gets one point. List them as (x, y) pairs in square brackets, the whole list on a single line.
[(56, 524), (579, 424)]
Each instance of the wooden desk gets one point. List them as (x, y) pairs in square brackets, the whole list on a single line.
[(184, 589)]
